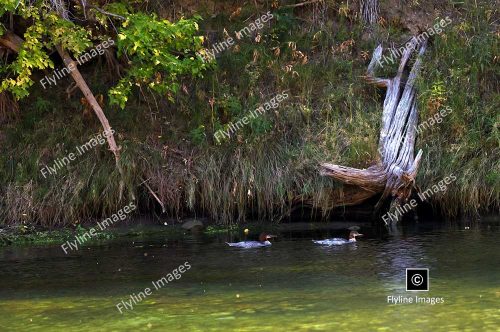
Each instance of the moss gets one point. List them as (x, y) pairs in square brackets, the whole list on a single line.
[(20, 237), (218, 229), (27, 236)]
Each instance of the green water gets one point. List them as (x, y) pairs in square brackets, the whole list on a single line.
[(292, 286)]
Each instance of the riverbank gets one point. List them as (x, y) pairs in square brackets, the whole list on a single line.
[(269, 167), (149, 228), (136, 229)]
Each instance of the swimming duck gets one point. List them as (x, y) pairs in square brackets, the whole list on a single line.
[(339, 241), (263, 242)]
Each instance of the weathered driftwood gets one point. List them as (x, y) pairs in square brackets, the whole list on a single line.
[(394, 174)]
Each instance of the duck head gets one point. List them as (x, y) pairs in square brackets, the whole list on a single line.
[(263, 237), (352, 236)]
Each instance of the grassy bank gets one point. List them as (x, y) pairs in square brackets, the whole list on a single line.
[(29, 235), (318, 54)]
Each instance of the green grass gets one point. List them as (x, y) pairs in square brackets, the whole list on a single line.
[(459, 73)]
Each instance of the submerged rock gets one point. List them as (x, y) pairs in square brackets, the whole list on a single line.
[(193, 224)]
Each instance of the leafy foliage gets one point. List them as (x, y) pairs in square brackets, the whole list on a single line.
[(46, 30), (159, 52)]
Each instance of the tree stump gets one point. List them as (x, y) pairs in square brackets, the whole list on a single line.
[(369, 11), (395, 172)]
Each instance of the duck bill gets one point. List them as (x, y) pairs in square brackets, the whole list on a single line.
[(360, 235), (271, 236)]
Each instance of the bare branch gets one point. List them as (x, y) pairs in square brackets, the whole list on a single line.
[(102, 11)]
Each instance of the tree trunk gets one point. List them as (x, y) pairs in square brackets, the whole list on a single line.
[(82, 85), (11, 41), (369, 11), (60, 7), (394, 174)]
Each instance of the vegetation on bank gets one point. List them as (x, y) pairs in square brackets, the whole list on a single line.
[(21, 235), (30, 235), (318, 54)]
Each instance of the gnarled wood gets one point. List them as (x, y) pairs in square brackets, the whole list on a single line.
[(395, 173), (371, 179)]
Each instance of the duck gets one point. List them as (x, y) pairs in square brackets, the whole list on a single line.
[(339, 241), (263, 242)]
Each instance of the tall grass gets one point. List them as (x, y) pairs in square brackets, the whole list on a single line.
[(461, 73), (270, 166)]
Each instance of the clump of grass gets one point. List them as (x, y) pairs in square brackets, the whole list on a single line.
[(460, 74), (27, 235)]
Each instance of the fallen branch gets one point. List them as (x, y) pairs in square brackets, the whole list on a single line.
[(301, 4), (82, 85), (102, 11), (155, 196)]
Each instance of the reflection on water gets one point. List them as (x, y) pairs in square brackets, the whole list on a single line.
[(398, 255), (292, 285)]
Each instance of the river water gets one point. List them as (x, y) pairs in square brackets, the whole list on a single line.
[(294, 285)]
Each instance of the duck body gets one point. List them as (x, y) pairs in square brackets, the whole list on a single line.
[(263, 242), (339, 241), (333, 242), (249, 244)]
